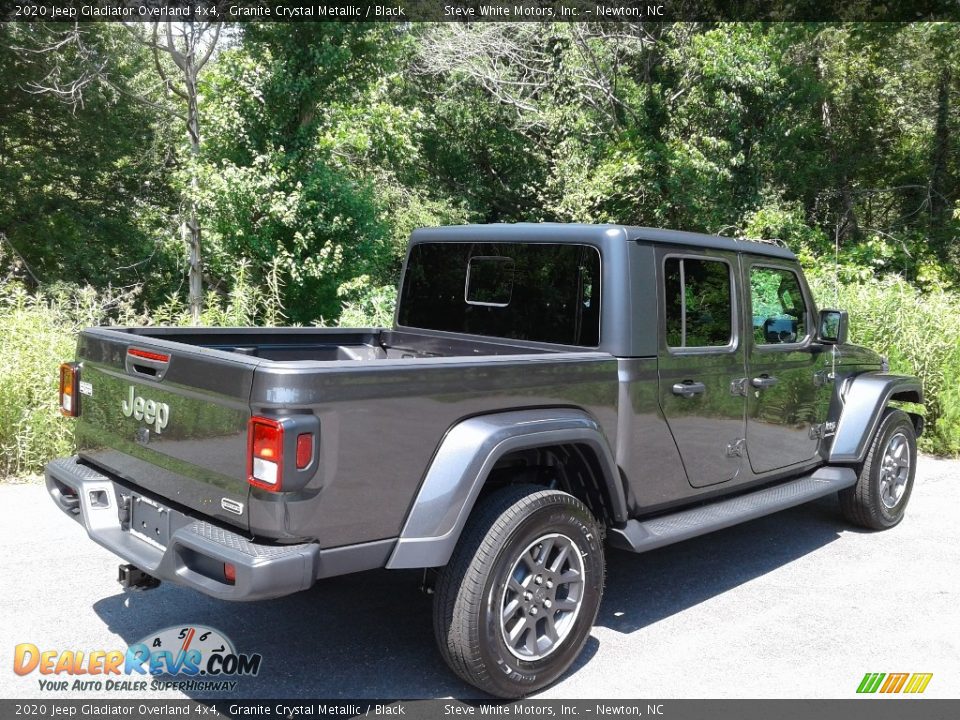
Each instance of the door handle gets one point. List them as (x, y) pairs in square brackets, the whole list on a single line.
[(764, 381), (688, 388)]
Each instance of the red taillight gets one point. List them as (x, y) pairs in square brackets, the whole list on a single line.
[(69, 395), (304, 450), (147, 355), (282, 451), (265, 464), (230, 573)]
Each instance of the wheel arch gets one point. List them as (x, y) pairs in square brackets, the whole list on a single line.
[(468, 458), (865, 398)]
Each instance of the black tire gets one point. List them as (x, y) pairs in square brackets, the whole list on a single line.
[(883, 488), (475, 587)]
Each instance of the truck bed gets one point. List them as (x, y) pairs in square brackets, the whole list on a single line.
[(384, 399), (332, 344)]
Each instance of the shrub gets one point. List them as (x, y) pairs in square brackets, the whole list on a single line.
[(366, 305)]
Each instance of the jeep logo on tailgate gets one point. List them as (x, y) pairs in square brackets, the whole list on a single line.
[(150, 411)]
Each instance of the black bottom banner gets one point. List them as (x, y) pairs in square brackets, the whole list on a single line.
[(852, 709)]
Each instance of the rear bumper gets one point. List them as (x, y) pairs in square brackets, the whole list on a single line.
[(196, 550)]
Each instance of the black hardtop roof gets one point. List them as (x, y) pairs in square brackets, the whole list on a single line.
[(578, 232)]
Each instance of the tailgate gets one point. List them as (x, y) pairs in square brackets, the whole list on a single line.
[(168, 417)]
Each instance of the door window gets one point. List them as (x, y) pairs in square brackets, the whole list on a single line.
[(779, 312), (698, 303)]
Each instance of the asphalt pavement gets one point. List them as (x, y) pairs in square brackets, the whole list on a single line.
[(795, 605)]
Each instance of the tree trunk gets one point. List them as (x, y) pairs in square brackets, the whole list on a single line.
[(847, 224), (849, 217), (192, 223), (941, 149)]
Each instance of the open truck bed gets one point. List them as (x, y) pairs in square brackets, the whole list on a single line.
[(383, 400), (331, 344)]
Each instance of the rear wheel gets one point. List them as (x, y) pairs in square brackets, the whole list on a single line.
[(879, 499), (515, 604)]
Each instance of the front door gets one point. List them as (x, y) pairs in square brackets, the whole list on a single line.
[(700, 354), (787, 381)]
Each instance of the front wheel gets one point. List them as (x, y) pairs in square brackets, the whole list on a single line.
[(879, 499), (515, 604)]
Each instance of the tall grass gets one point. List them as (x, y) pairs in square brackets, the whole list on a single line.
[(366, 304), (34, 342), (919, 332), (38, 331), (244, 305)]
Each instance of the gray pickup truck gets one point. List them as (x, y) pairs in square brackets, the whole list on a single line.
[(545, 389)]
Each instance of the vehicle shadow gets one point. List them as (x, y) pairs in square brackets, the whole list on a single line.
[(370, 635), (646, 588)]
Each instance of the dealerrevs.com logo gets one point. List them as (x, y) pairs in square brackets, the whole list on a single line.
[(196, 656)]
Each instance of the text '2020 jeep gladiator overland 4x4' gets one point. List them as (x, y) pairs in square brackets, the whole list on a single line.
[(544, 388)]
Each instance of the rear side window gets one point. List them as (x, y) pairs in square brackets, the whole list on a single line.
[(539, 291), (779, 312), (698, 303), (489, 280)]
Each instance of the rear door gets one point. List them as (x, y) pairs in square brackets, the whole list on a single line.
[(787, 382), (700, 355), (168, 417)]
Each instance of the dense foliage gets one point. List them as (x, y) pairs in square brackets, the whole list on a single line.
[(323, 145)]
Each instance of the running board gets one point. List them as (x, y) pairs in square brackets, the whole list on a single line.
[(643, 535)]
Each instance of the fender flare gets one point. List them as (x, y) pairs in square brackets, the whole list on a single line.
[(865, 398), (462, 463)]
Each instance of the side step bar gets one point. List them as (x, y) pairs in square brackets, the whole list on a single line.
[(643, 535)]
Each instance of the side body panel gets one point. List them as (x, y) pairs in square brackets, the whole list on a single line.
[(381, 425), (645, 450), (463, 462), (646, 454)]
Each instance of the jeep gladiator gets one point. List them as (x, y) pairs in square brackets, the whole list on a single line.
[(545, 389)]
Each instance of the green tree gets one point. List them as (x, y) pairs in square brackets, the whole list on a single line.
[(313, 159), (83, 184)]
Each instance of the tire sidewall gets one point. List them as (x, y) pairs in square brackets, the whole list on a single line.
[(563, 514), (895, 422)]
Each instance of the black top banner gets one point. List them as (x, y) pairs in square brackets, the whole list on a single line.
[(605, 11)]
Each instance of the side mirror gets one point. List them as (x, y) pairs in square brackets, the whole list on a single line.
[(832, 329)]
